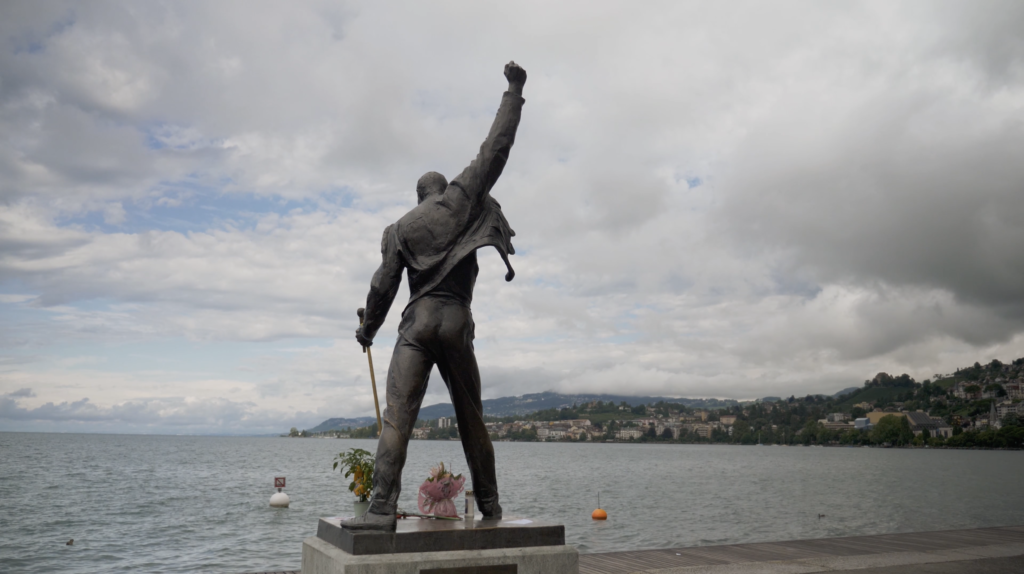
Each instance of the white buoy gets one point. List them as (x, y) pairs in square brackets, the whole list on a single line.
[(279, 499)]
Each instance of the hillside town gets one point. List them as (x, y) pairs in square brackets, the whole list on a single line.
[(978, 406)]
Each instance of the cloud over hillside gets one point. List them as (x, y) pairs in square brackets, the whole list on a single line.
[(710, 199)]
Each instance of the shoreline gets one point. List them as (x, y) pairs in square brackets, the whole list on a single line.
[(669, 443)]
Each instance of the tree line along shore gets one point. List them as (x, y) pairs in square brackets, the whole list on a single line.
[(975, 407)]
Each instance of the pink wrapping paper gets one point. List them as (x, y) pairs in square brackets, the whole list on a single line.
[(437, 496)]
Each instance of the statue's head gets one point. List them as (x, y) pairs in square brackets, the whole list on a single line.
[(432, 183)]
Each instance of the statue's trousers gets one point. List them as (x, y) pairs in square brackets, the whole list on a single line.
[(434, 331)]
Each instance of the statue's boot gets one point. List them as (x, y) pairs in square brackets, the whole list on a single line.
[(371, 521), (491, 511)]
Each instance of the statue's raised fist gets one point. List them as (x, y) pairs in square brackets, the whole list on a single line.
[(515, 74)]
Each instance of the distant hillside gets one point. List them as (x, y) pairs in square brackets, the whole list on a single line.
[(511, 406), (526, 404), (343, 424), (530, 403), (883, 390), (873, 395), (845, 391)]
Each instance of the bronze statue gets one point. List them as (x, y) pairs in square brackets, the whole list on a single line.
[(436, 244)]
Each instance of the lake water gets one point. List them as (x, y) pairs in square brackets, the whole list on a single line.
[(200, 504)]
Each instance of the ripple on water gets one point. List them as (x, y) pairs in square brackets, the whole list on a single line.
[(200, 504)]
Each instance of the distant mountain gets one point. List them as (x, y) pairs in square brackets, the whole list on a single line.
[(343, 424), (841, 393), (845, 391)]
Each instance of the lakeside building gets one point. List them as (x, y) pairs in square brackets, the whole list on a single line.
[(1014, 390), (677, 430), (499, 429), (1009, 408), (578, 433), (834, 425), (875, 416), (702, 430), (967, 390), (920, 422)]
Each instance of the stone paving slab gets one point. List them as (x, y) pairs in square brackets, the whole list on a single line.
[(981, 550), (1008, 557), (1009, 565), (818, 555)]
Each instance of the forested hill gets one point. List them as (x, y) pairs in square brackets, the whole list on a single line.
[(526, 404), (884, 390), (511, 406)]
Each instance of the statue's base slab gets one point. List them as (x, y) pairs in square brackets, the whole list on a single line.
[(417, 546), (428, 535), (320, 557)]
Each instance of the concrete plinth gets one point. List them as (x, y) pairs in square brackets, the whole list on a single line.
[(442, 535), (321, 557)]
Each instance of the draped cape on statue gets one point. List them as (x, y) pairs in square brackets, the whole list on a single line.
[(429, 256)]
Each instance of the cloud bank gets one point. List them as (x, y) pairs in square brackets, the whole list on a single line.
[(730, 200)]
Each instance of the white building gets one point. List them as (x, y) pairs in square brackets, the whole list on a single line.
[(628, 433), (1009, 408), (1014, 390)]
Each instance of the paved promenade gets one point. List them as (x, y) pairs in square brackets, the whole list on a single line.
[(983, 550), (978, 551)]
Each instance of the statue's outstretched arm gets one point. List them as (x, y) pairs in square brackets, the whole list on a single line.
[(383, 288), (478, 179)]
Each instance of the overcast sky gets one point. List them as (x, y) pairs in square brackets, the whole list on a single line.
[(711, 199)]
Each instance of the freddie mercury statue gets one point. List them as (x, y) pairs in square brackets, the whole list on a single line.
[(436, 244)]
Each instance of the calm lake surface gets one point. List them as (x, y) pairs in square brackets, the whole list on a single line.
[(200, 504)]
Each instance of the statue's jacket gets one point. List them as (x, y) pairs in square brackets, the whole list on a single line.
[(436, 235)]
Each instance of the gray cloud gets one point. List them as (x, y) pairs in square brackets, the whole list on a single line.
[(914, 183), (151, 415), (21, 393), (710, 200)]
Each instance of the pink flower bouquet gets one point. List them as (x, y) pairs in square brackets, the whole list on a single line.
[(437, 493)]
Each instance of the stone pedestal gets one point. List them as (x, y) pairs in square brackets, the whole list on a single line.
[(510, 546)]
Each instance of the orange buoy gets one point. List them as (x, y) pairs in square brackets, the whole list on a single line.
[(599, 514)]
